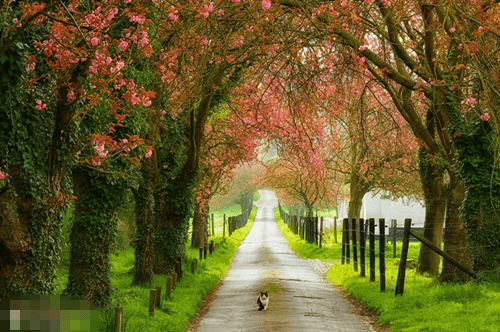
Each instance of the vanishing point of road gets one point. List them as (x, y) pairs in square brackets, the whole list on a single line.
[(299, 298)]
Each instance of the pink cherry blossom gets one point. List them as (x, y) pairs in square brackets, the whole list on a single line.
[(99, 148), (480, 29), (94, 41), (452, 30), (173, 17), (95, 162), (2, 175), (485, 117), (148, 154), (362, 48), (470, 100), (266, 4), (39, 105), (122, 46), (103, 154)]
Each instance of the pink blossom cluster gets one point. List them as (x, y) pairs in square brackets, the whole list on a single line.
[(266, 4), (206, 10), (2, 175), (122, 45), (40, 105), (17, 22), (485, 117), (136, 18), (99, 19), (95, 161), (100, 60)]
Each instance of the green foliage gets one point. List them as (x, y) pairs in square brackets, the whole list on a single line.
[(481, 175)]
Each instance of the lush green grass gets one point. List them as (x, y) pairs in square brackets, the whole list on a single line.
[(425, 305)]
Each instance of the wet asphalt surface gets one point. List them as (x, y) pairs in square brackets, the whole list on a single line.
[(299, 299)]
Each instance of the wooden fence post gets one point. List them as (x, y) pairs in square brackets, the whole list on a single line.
[(335, 229), (321, 232), (347, 242), (224, 227), (193, 266), (316, 233), (201, 253), (372, 249), (118, 319), (400, 284), (394, 226), (343, 242), (152, 302), (178, 269), (362, 246), (205, 249), (170, 281), (174, 278), (354, 245), (381, 241), (158, 296), (213, 228)]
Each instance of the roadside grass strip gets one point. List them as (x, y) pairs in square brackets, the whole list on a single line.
[(425, 305)]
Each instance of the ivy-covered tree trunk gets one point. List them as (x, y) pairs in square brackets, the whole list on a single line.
[(481, 173), (29, 244), (93, 232), (145, 220), (199, 237), (357, 190), (172, 225), (454, 235), (435, 207)]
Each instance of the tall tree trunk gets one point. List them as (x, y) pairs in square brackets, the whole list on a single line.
[(434, 213), (454, 234), (199, 237), (94, 230), (29, 245), (145, 218)]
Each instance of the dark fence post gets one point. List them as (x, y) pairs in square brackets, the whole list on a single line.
[(213, 224), (362, 246), (347, 242), (118, 319), (354, 245), (168, 291), (224, 227), (152, 302), (343, 242), (321, 232), (335, 229), (394, 226), (381, 242), (158, 297), (372, 249), (400, 284), (205, 249)]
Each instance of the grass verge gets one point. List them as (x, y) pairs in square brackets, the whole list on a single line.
[(425, 305)]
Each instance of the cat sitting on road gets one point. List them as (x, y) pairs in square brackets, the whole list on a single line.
[(263, 301)]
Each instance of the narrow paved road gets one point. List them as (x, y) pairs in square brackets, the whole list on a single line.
[(299, 299)]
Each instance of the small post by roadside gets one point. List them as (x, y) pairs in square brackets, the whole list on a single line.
[(118, 319), (381, 241), (321, 232), (152, 302), (354, 245), (372, 249), (400, 284), (362, 246)]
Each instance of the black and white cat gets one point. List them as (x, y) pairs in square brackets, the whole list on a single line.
[(263, 301)]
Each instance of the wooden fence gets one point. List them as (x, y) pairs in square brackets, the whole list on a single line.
[(357, 233)]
